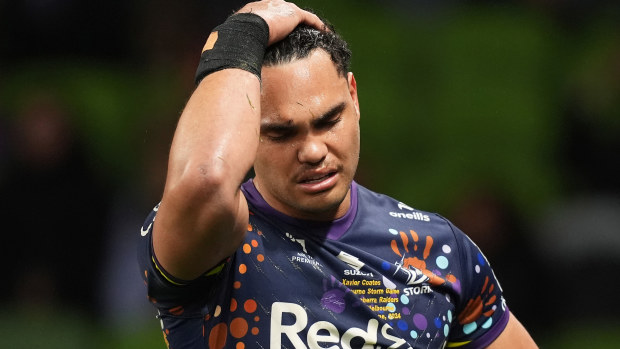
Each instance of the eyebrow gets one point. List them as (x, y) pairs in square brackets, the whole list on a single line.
[(289, 126), (277, 127), (335, 110)]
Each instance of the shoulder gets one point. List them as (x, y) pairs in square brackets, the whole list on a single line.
[(399, 213)]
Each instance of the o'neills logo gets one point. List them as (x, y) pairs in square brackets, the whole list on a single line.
[(418, 216), (322, 333)]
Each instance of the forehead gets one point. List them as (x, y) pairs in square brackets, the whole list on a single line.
[(312, 84)]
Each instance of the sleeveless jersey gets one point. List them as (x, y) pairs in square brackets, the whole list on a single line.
[(385, 275)]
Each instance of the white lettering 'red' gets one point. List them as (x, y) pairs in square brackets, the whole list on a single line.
[(323, 333)]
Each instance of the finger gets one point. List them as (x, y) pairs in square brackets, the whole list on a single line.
[(309, 18), (313, 20)]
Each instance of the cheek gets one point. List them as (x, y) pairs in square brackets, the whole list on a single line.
[(261, 158), (271, 158), (350, 141)]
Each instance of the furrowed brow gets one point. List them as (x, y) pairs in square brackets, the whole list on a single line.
[(277, 127), (327, 116)]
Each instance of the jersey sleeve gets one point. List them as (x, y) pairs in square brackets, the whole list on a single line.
[(181, 304), (482, 313)]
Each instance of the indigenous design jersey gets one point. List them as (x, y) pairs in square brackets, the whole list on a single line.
[(383, 276)]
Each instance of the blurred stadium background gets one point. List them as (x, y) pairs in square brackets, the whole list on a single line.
[(503, 116)]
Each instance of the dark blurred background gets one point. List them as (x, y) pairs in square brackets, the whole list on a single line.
[(503, 116)]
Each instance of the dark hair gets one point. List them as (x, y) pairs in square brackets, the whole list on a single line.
[(305, 39)]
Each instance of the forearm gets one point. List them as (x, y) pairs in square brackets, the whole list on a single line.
[(217, 134), (201, 218)]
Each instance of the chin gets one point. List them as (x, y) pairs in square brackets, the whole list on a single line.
[(323, 206)]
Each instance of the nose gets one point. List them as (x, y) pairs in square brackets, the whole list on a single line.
[(312, 151)]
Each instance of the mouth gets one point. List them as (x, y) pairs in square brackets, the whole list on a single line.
[(317, 178), (318, 182)]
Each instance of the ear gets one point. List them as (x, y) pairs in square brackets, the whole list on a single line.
[(353, 92)]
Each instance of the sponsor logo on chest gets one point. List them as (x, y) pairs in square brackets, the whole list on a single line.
[(412, 214)]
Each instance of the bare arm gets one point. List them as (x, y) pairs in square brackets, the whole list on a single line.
[(203, 215), (514, 336)]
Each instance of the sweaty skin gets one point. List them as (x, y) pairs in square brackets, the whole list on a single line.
[(310, 138)]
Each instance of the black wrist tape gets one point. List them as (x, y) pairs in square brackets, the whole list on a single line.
[(240, 42)]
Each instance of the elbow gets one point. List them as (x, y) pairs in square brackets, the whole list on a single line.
[(208, 175), (203, 182)]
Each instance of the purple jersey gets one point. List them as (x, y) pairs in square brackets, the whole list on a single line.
[(385, 275)]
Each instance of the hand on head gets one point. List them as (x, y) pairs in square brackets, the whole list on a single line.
[(282, 17)]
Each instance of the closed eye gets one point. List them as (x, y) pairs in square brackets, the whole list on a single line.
[(277, 132), (327, 124), (279, 137), (280, 132), (330, 118)]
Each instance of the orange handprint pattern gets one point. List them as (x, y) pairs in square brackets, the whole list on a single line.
[(476, 307), (412, 247)]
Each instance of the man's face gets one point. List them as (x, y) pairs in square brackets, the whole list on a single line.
[(309, 138)]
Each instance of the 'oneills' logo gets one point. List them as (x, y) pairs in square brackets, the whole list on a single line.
[(418, 216)]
